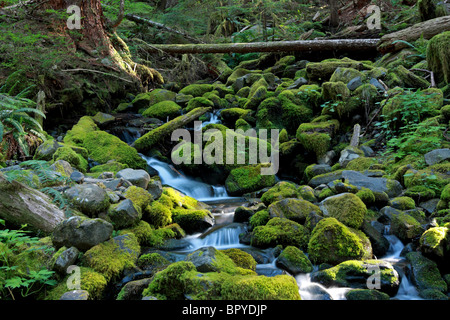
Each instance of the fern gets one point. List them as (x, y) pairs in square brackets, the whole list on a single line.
[(46, 175), (56, 196)]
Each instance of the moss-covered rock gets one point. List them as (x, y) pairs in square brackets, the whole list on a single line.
[(332, 242), (293, 260), (110, 166), (366, 195), (231, 115), (405, 227), (280, 191), (110, 258), (437, 56), (366, 294), (76, 160), (124, 214), (147, 99), (260, 218), (198, 102), (163, 110), (248, 179), (241, 258), (280, 231), (293, 209), (182, 279), (77, 134), (403, 203), (197, 90), (322, 71), (346, 208), (425, 273), (434, 242), (359, 274), (316, 137), (91, 281)]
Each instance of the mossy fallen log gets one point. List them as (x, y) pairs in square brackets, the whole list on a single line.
[(275, 46), (427, 29), (150, 139)]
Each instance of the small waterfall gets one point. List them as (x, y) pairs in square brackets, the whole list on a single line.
[(310, 290), (129, 134), (223, 238), (214, 119), (189, 186)]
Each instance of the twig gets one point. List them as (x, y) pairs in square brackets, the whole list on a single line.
[(96, 71), (432, 82)]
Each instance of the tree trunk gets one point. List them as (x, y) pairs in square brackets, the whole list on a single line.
[(276, 46), (334, 13), (428, 29), (98, 39)]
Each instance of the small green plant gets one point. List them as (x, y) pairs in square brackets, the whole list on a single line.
[(14, 279)]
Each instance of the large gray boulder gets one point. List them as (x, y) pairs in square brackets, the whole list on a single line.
[(66, 259), (82, 233), (124, 214), (139, 178), (393, 188), (90, 199), (20, 205), (436, 156)]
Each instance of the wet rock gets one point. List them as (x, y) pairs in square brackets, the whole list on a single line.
[(437, 156), (77, 177), (138, 177), (66, 259), (90, 199), (82, 233), (294, 261), (124, 214), (75, 295)]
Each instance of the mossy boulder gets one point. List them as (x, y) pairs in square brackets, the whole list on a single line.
[(332, 242), (68, 154), (346, 208), (366, 294), (103, 147), (435, 242), (197, 90), (425, 274), (437, 56), (147, 99), (198, 102), (280, 231), (280, 191), (322, 71), (163, 110), (406, 227), (248, 179), (293, 209), (359, 274), (110, 258), (77, 134), (293, 260), (241, 258), (403, 203), (231, 115), (316, 137), (91, 281), (345, 75), (181, 279), (124, 214), (209, 259)]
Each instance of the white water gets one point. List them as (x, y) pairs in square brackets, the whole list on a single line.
[(213, 120), (187, 185), (224, 238)]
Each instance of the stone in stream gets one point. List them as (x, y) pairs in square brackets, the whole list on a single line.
[(138, 177)]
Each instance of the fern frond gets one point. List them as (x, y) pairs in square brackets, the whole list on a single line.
[(56, 196)]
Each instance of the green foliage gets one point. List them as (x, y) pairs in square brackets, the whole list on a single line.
[(13, 279), (403, 126), (15, 118)]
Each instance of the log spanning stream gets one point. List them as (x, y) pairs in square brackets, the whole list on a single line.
[(225, 235)]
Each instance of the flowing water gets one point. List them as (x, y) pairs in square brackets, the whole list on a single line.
[(225, 234)]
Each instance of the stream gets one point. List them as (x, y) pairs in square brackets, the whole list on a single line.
[(225, 233)]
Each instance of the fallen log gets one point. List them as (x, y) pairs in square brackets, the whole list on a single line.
[(158, 25), (275, 46), (427, 29), (152, 138)]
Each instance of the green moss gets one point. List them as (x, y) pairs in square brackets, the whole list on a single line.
[(420, 193), (248, 179), (93, 282), (140, 197), (198, 102), (280, 231), (260, 218), (322, 71), (332, 242), (111, 257), (152, 260), (325, 193), (111, 166), (103, 147), (75, 159), (77, 134), (445, 194), (158, 214), (293, 256), (403, 203), (433, 241), (280, 191), (241, 258), (405, 227), (316, 142), (366, 294), (425, 272), (231, 115), (346, 208), (366, 196), (147, 99), (162, 110), (197, 90), (360, 164), (437, 56)]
